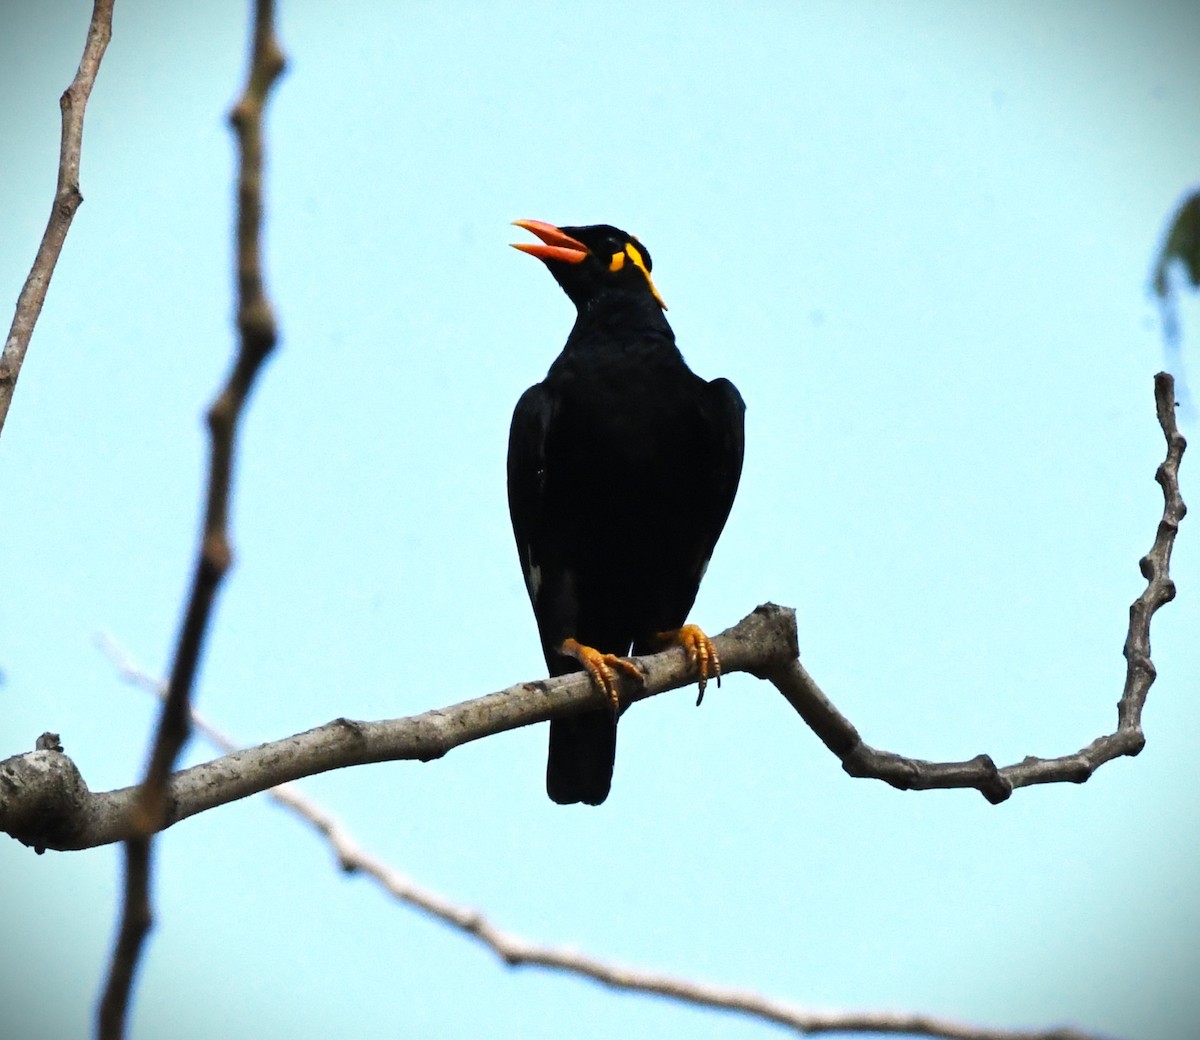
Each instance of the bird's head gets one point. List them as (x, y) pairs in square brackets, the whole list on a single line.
[(589, 261)]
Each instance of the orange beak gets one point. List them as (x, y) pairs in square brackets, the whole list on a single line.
[(554, 245)]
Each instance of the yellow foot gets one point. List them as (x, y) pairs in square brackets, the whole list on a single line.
[(600, 666), (700, 651)]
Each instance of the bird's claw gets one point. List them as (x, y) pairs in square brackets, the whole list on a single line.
[(701, 653), (603, 668)]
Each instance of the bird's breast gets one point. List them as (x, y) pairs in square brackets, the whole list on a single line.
[(629, 422)]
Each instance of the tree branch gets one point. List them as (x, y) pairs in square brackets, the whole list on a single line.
[(37, 808), (67, 199), (256, 324), (516, 952), (30, 784), (996, 785)]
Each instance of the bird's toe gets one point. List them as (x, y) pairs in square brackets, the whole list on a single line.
[(701, 653), (603, 669)]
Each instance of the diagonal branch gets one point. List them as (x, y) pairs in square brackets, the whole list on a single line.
[(67, 198), (517, 952), (256, 325)]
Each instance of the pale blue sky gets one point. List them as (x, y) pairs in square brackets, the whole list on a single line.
[(916, 236)]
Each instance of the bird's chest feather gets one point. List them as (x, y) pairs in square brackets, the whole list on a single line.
[(630, 419), (625, 454)]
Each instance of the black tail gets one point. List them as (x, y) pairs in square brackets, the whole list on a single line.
[(579, 767)]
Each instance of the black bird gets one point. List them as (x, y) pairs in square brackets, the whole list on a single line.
[(622, 469)]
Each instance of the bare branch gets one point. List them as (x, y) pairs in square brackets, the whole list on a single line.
[(764, 644), (516, 952), (67, 199), (860, 759), (760, 640), (256, 324)]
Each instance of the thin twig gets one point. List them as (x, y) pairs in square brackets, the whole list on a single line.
[(516, 952), (862, 760), (256, 325), (67, 199)]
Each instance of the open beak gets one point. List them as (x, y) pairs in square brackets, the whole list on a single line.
[(555, 245)]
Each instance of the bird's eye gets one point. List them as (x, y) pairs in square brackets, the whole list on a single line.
[(617, 261)]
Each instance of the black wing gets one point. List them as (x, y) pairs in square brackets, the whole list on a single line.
[(695, 511), (527, 480), (728, 419), (583, 747)]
